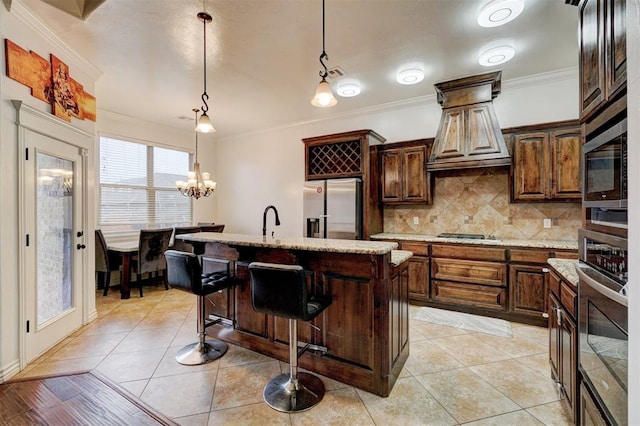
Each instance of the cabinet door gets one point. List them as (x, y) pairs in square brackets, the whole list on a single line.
[(414, 174), (592, 45), (419, 278), (568, 359), (531, 166), (527, 290), (616, 46), (565, 163), (590, 414), (452, 124), (392, 175)]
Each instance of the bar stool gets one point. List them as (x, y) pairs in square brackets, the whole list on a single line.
[(184, 272), (281, 290)]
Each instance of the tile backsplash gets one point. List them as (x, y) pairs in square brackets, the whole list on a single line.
[(477, 202)]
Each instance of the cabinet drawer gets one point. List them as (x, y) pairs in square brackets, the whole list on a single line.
[(469, 295), (418, 249), (567, 254), (554, 283), (469, 252), (568, 299), (470, 271), (530, 256)]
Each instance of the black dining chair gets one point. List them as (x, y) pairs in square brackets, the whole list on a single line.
[(150, 259), (181, 245), (212, 228), (106, 262)]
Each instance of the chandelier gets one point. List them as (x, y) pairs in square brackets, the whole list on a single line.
[(204, 125), (324, 95), (198, 184)]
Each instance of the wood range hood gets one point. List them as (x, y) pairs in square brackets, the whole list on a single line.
[(468, 135)]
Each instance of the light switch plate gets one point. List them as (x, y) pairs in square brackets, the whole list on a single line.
[(547, 223), (416, 220)]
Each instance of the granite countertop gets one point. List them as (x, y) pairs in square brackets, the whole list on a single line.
[(566, 268), (545, 244), (308, 244), (400, 256)]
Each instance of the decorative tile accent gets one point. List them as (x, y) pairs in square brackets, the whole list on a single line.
[(477, 201)]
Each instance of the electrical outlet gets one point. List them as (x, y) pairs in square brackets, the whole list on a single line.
[(547, 223), (416, 220)]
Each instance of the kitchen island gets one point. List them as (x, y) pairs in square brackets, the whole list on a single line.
[(361, 339)]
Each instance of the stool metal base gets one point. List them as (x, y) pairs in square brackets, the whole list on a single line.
[(197, 353), (282, 393)]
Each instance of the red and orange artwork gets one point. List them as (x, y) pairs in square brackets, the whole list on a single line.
[(50, 82)]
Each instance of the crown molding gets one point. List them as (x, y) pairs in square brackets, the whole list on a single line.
[(31, 21)]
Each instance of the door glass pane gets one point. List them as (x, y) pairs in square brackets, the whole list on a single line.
[(54, 209)]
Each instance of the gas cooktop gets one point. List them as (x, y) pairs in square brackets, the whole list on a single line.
[(462, 236)]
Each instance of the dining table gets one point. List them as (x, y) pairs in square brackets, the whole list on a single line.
[(125, 249)]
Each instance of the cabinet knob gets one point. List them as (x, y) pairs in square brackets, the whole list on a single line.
[(545, 315), (545, 270)]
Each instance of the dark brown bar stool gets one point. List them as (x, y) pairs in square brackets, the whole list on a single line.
[(184, 272), (281, 290)]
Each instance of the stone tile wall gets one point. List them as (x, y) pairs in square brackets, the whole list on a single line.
[(477, 202)]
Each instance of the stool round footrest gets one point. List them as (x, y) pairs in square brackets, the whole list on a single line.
[(282, 394), (197, 353)]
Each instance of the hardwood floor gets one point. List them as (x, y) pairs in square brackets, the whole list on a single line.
[(75, 399)]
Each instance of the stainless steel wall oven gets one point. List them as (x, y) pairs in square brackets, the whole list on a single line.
[(603, 316)]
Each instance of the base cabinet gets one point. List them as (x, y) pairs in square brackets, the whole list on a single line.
[(563, 341), (590, 414)]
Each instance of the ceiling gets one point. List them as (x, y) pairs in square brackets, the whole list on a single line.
[(262, 55)]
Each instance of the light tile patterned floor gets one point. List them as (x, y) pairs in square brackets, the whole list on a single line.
[(452, 376)]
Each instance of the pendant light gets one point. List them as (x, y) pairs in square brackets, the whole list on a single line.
[(197, 184), (324, 95), (204, 124)]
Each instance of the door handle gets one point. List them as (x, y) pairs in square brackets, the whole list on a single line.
[(80, 246)]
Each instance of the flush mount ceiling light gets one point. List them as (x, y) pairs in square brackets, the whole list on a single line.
[(204, 124), (496, 56), (324, 95), (348, 88), (410, 75), (499, 12)]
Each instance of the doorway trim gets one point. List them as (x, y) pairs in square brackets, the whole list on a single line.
[(29, 119)]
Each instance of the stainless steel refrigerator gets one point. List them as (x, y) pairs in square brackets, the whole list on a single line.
[(333, 209)]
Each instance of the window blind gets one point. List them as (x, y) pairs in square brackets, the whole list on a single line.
[(137, 187)]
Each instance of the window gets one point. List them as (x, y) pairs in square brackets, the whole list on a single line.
[(137, 187)]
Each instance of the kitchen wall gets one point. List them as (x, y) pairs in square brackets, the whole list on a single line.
[(267, 167), (477, 202)]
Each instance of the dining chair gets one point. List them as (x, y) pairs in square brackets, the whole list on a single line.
[(181, 245), (212, 228), (106, 262), (151, 247)]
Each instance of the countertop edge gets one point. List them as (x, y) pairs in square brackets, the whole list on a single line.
[(543, 244)]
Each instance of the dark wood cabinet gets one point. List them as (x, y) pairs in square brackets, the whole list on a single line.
[(590, 414), (418, 270), (527, 291), (404, 178), (563, 340), (546, 165), (603, 59), (476, 277), (345, 155)]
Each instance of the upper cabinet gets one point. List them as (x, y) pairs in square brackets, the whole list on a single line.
[(603, 58), (404, 178), (339, 155), (546, 165)]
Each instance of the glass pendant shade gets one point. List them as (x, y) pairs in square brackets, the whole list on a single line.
[(324, 95), (204, 124)]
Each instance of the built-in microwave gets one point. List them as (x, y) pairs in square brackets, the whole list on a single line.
[(605, 168)]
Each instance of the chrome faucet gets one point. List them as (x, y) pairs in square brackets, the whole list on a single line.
[(264, 219)]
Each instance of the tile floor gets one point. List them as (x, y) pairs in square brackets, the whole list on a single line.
[(452, 376)]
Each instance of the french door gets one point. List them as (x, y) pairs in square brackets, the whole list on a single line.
[(53, 242)]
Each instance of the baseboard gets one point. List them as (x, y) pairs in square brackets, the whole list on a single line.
[(9, 371), (93, 315)]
